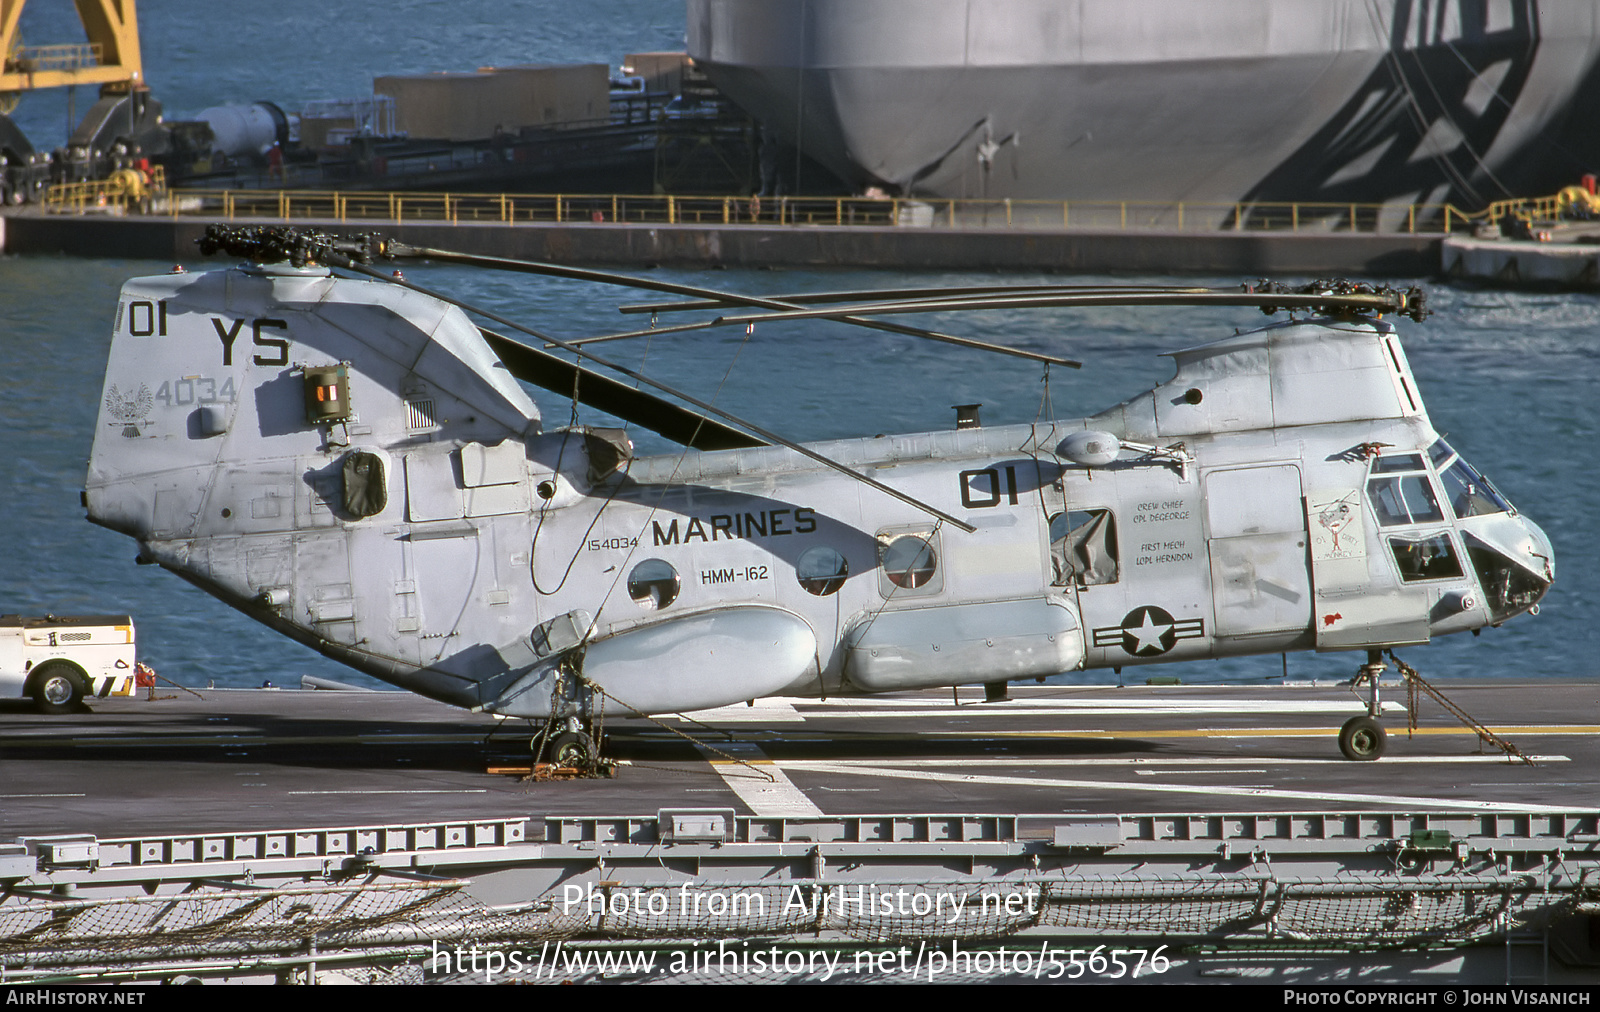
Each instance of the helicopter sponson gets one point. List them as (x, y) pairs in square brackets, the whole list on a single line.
[(354, 464)]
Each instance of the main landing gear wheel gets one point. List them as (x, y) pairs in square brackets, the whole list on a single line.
[(55, 688), (1363, 739), (573, 749)]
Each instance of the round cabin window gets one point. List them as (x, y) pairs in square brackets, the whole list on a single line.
[(821, 570), (653, 584), (909, 562)]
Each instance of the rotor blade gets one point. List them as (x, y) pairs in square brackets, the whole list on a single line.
[(965, 342), (1396, 302), (339, 259), (399, 250), (1384, 301), (603, 393), (883, 294)]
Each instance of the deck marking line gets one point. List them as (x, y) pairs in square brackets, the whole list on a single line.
[(776, 798), (463, 790), (1135, 763), (766, 711), (1257, 732), (1164, 788), (1161, 709), (1110, 700)]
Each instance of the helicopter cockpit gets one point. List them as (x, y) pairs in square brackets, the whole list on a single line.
[(1510, 556)]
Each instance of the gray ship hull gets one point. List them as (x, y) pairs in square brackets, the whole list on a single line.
[(1265, 100)]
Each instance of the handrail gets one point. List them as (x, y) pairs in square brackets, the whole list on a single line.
[(117, 192), (345, 206)]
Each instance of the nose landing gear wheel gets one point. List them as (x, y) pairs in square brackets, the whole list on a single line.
[(1363, 739)]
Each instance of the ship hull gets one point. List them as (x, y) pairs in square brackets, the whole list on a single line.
[(1155, 100)]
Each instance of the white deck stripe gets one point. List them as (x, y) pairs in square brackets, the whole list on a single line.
[(968, 763), (1107, 785), (1075, 709), (464, 790), (844, 704), (766, 711), (778, 797)]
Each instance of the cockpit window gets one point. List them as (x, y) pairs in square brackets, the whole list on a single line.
[(1469, 492), (1397, 462), (1404, 499), (1429, 557)]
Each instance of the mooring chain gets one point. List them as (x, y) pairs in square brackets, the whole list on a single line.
[(763, 774), (1415, 681)]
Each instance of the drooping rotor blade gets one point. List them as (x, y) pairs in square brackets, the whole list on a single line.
[(886, 294), (599, 391), (1411, 303), (965, 342), (337, 258), (1355, 298), (398, 250)]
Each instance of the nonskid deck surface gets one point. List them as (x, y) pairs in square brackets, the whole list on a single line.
[(252, 759)]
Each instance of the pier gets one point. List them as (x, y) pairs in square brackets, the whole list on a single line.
[(749, 232)]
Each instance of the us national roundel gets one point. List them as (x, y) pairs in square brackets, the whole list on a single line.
[(1149, 631)]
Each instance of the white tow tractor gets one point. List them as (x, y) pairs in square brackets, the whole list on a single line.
[(58, 659)]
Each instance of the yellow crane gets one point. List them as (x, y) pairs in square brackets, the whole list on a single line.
[(109, 57), (120, 128)]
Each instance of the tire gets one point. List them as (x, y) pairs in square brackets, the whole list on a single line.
[(56, 687), (572, 749), (1363, 739)]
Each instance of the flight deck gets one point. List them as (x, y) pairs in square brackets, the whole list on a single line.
[(229, 759), (1217, 831)]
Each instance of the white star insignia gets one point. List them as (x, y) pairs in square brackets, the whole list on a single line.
[(1148, 634)]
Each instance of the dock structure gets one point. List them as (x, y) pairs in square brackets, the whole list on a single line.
[(767, 244), (1526, 263)]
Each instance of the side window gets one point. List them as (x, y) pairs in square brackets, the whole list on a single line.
[(821, 570), (654, 584), (1429, 557), (1083, 548), (909, 563)]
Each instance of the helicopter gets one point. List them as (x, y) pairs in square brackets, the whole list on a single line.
[(348, 458)]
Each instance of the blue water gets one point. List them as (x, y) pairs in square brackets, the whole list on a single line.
[(1509, 377)]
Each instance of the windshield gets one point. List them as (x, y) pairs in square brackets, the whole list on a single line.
[(1469, 492)]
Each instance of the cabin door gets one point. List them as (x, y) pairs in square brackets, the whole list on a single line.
[(1256, 531)]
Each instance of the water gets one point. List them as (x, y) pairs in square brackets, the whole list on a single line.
[(1509, 377)]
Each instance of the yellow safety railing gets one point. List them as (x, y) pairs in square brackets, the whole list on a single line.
[(65, 56), (344, 206), (122, 190), (1570, 201)]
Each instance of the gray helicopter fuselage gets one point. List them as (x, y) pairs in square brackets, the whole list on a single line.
[(347, 462)]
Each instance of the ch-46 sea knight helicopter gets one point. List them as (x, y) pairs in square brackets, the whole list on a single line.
[(351, 460)]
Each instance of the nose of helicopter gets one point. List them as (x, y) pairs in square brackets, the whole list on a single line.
[(1541, 555), (1514, 562)]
